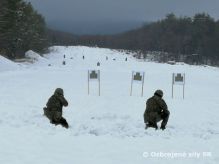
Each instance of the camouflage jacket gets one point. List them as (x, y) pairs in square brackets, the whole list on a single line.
[(56, 102), (156, 104)]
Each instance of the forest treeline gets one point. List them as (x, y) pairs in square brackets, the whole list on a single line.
[(21, 29), (188, 39)]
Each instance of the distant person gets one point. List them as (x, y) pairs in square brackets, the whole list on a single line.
[(156, 110), (53, 111), (126, 59), (106, 57), (83, 57)]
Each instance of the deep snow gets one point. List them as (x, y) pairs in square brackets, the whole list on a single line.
[(109, 128)]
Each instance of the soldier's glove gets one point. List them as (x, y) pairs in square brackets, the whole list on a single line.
[(161, 112)]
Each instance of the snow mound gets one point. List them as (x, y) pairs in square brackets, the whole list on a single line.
[(34, 57), (6, 64)]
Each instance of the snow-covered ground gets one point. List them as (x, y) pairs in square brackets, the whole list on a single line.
[(106, 129)]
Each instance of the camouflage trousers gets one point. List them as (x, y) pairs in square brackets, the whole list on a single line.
[(55, 117), (153, 118)]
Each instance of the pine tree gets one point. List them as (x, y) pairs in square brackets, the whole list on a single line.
[(21, 28)]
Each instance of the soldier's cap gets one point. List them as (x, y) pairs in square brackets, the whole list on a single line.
[(159, 93), (59, 91)]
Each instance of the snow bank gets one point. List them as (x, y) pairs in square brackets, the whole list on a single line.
[(34, 57), (6, 65)]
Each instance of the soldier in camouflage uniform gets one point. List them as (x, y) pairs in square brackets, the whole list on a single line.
[(53, 111), (156, 110)]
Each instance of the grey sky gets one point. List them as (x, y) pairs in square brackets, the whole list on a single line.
[(122, 10)]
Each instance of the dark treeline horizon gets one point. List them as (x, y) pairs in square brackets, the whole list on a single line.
[(97, 27), (194, 39), (175, 38)]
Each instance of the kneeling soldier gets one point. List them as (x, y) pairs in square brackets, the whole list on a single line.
[(53, 111), (156, 110)]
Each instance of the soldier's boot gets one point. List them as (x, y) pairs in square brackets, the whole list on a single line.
[(44, 110), (163, 127), (165, 117), (151, 125), (64, 123), (54, 122), (155, 126)]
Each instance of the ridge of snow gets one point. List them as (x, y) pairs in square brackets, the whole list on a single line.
[(7, 65)]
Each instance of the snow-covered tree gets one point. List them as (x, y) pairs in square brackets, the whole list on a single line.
[(21, 28)]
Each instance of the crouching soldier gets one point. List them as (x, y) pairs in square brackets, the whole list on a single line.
[(53, 111), (156, 110)]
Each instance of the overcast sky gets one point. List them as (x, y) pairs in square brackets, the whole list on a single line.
[(122, 10)]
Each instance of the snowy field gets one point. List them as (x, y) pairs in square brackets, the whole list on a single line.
[(105, 129)]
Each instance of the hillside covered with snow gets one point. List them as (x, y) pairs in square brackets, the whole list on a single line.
[(6, 64), (105, 129)]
